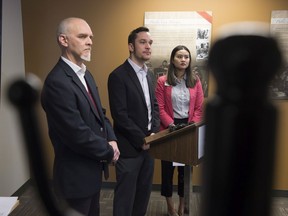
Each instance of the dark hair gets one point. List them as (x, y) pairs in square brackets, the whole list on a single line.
[(133, 34), (191, 77)]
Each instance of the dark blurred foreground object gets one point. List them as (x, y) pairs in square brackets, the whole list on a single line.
[(24, 95), (240, 123)]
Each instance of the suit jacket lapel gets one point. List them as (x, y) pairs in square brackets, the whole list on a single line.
[(68, 70), (132, 74), (150, 84), (78, 82)]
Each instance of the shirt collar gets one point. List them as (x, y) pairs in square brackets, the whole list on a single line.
[(137, 68), (179, 81), (78, 70)]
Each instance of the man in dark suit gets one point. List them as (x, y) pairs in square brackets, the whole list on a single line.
[(82, 137), (135, 112)]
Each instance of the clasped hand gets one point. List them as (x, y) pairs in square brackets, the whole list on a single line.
[(116, 150), (147, 146)]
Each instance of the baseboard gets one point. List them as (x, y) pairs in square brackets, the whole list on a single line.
[(22, 189), (196, 189), (155, 187)]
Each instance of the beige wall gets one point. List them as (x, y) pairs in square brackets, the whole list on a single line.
[(13, 158), (111, 22)]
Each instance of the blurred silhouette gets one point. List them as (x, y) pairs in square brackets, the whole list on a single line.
[(240, 123), (24, 95)]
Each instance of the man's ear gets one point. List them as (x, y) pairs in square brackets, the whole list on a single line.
[(62, 39), (131, 47)]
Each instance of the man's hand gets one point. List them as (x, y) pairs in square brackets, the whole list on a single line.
[(116, 150), (147, 146)]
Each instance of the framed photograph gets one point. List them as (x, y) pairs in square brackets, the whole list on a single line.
[(279, 29), (279, 85), (170, 29)]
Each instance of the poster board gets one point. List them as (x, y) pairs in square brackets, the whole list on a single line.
[(169, 29), (279, 29)]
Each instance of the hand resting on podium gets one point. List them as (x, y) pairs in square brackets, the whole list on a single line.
[(174, 127)]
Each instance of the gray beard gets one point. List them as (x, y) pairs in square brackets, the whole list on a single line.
[(86, 57)]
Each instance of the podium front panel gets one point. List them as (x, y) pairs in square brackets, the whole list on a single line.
[(177, 146)]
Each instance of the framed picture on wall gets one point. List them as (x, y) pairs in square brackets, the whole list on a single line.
[(170, 29), (279, 29)]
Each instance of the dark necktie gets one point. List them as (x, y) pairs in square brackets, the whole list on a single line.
[(92, 100)]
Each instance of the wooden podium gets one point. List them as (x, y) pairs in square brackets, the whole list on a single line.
[(185, 145)]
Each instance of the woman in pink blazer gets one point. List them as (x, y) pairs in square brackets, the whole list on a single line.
[(180, 98)]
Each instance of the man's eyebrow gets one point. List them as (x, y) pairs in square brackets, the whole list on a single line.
[(84, 35), (142, 39)]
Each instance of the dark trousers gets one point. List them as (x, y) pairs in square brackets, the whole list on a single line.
[(87, 206), (167, 172), (134, 183)]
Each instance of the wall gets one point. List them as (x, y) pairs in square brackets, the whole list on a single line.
[(111, 22), (13, 161)]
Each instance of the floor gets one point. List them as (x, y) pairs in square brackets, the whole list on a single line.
[(30, 204)]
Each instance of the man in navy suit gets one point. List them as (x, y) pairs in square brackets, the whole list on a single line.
[(82, 137), (135, 112)]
